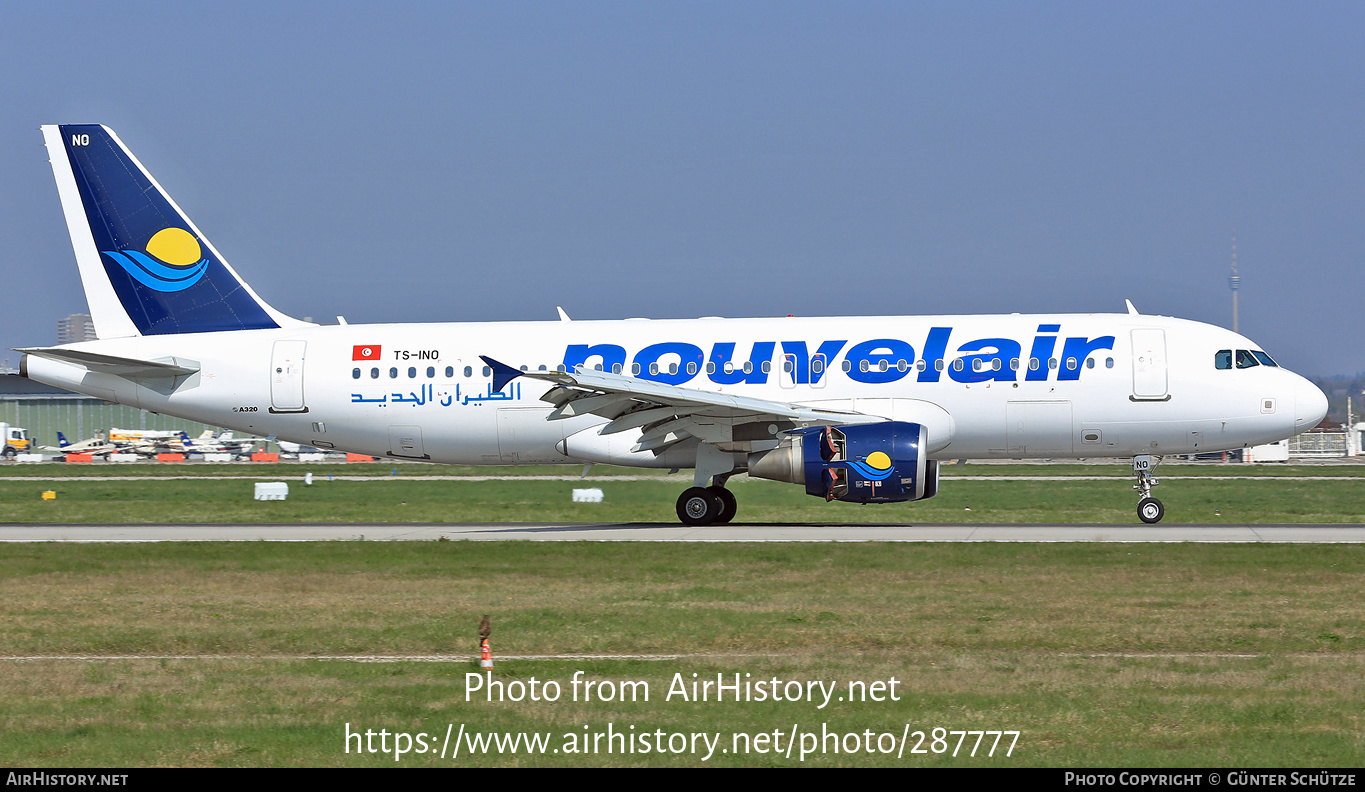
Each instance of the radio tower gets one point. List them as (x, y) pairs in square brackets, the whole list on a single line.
[(1234, 281)]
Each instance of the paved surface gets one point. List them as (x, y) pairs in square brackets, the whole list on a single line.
[(670, 532)]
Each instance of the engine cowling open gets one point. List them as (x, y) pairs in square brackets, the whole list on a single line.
[(862, 463)]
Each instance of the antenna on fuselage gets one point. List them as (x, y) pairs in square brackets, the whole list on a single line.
[(1234, 280)]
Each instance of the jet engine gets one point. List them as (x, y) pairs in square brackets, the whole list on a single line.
[(861, 463)]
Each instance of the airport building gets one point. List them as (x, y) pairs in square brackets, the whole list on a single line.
[(44, 410), (76, 327)]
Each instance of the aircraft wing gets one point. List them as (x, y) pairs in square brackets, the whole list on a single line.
[(667, 414)]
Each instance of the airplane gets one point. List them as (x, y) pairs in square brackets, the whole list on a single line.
[(857, 409), (94, 446), (224, 443)]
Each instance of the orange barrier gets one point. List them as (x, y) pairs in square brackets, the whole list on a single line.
[(170, 457), (359, 458), (259, 457), (80, 458)]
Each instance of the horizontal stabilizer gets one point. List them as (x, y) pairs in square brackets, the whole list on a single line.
[(130, 368)]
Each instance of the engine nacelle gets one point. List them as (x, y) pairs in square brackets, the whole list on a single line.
[(861, 463)]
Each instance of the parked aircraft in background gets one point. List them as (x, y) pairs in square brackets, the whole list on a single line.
[(94, 446), (855, 409)]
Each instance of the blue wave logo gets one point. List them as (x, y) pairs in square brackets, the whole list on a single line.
[(173, 262), (877, 466)]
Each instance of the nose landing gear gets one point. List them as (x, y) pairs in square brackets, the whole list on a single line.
[(1150, 510)]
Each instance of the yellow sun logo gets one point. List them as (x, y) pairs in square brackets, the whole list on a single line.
[(175, 246)]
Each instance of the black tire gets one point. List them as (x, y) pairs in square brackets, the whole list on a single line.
[(1150, 510), (698, 506), (728, 506), (9, 452)]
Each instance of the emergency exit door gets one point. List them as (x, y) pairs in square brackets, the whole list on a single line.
[(286, 377)]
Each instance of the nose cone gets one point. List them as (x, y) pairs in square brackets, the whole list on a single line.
[(1310, 406)]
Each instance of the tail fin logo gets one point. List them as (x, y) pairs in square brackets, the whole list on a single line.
[(173, 262)]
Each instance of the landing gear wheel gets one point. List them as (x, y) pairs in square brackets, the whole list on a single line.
[(1150, 510), (728, 504), (698, 506)]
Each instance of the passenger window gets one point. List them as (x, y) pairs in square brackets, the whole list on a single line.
[(1245, 359), (1071, 364), (1033, 364), (1222, 359), (431, 372), (1108, 362), (691, 367), (767, 366), (1264, 358), (635, 369), (355, 373), (393, 373), (1052, 363), (847, 366), (450, 372), (615, 368), (374, 373), (957, 364), (1089, 362), (468, 371), (938, 364), (412, 372)]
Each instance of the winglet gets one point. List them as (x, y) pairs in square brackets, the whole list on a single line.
[(563, 317), (502, 373), (1131, 310)]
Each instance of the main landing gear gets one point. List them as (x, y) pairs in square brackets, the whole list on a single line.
[(1149, 509), (707, 505)]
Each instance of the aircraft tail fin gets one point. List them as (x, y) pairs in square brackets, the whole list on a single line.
[(62, 442), (146, 268)]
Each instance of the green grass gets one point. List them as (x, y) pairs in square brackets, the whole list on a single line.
[(1115, 468), (404, 499), (1101, 655), (1150, 655)]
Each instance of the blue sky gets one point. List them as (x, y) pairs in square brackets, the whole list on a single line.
[(474, 161)]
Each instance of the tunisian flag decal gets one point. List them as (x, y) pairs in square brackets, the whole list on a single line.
[(370, 352)]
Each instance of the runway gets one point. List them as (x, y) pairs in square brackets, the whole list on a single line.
[(1353, 533)]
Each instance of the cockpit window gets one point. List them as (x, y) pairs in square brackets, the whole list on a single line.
[(1246, 360), (1264, 358), (1222, 359)]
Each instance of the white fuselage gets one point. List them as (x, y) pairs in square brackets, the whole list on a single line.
[(1112, 385)]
